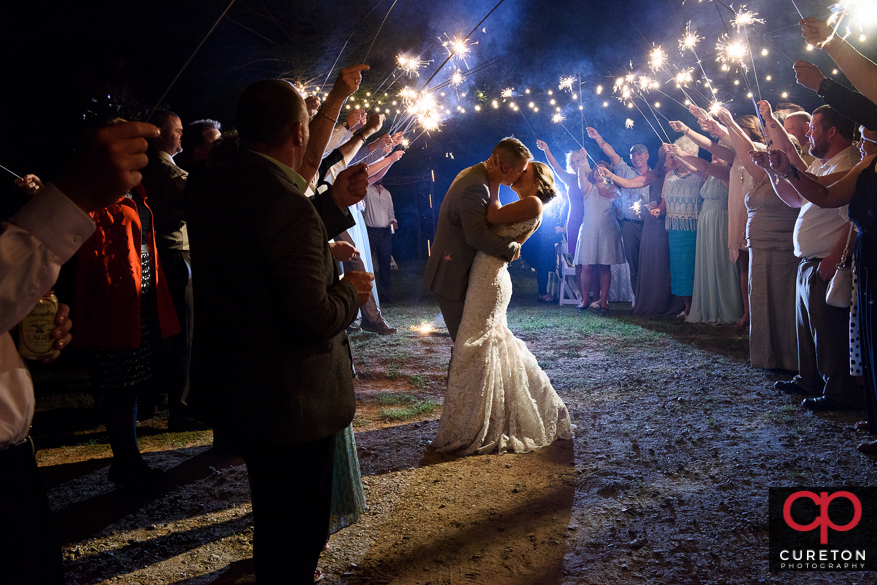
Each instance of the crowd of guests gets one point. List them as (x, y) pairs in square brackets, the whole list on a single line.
[(752, 234), (291, 205)]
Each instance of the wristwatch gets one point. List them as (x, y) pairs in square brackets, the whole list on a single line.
[(346, 126)]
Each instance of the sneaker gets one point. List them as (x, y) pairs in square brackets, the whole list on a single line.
[(381, 328), (354, 327)]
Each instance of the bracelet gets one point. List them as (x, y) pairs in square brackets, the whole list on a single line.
[(792, 172), (325, 115), (325, 105)]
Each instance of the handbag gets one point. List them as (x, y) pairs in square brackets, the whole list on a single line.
[(840, 289)]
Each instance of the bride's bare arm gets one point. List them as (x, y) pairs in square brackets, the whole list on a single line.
[(523, 209)]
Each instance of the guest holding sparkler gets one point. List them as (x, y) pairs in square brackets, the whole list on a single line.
[(772, 262), (716, 295), (737, 189), (653, 294), (857, 189), (575, 160), (599, 243), (681, 204), (630, 203)]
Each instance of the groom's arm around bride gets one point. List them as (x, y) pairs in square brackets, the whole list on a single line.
[(463, 230)]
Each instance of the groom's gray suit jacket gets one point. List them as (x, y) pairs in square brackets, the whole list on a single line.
[(462, 231)]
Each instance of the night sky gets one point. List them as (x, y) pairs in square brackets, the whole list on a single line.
[(62, 60)]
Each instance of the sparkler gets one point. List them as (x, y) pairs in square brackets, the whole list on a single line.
[(367, 53), (628, 124), (637, 208), (743, 18), (464, 40), (457, 47), (183, 68), (657, 59), (732, 51), (10, 172), (411, 65), (861, 12), (566, 83), (689, 41)]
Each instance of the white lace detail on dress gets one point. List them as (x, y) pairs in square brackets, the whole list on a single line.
[(498, 398)]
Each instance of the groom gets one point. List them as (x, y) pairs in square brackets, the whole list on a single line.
[(463, 229)]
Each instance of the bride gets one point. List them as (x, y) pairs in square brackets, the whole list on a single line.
[(498, 398)]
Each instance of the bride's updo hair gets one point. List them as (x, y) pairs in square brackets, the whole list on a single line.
[(544, 181)]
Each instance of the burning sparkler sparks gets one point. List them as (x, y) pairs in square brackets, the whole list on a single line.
[(744, 17), (730, 51), (684, 77), (689, 41), (628, 123), (557, 118), (457, 48), (657, 59), (508, 92), (637, 208), (411, 65), (566, 82), (859, 12), (457, 78)]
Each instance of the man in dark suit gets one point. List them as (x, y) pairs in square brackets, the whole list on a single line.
[(271, 361), (463, 230)]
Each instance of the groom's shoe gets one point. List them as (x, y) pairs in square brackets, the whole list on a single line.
[(381, 327)]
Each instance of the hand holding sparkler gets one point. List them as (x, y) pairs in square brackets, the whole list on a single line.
[(594, 135), (312, 103), (107, 166), (346, 85), (713, 128), (355, 119), (775, 162), (30, 184), (698, 113), (678, 126), (374, 123), (816, 32), (350, 186), (808, 75), (725, 117), (542, 145)]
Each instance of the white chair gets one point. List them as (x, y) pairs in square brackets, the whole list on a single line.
[(566, 271)]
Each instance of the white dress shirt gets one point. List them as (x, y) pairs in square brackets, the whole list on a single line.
[(817, 230), (34, 244), (378, 207)]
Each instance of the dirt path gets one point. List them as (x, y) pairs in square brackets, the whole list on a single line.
[(666, 481)]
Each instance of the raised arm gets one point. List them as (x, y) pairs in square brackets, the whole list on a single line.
[(839, 194), (377, 171), (703, 141), (638, 182), (323, 124), (742, 145), (861, 71), (607, 149), (565, 176), (777, 136), (698, 165), (520, 210)]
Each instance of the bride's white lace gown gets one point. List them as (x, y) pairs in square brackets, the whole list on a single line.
[(498, 398)]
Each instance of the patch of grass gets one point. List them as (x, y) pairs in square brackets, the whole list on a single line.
[(711, 422), (360, 421), (419, 381), (391, 399), (394, 371), (91, 443), (414, 409)]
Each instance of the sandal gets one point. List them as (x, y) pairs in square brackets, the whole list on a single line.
[(318, 575)]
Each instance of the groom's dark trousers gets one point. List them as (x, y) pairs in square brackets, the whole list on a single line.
[(452, 312)]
